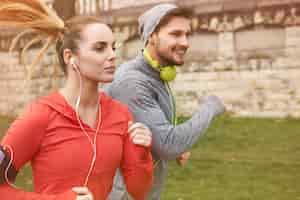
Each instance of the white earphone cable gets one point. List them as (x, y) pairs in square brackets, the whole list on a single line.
[(92, 142)]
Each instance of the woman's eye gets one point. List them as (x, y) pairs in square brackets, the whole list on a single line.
[(100, 48)]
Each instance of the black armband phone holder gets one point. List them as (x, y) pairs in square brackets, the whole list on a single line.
[(5, 161)]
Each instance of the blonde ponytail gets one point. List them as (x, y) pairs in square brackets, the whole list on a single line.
[(35, 18)]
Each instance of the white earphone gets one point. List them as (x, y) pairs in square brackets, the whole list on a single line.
[(73, 63), (93, 141)]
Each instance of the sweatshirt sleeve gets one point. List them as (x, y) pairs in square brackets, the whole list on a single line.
[(137, 168), (169, 141), (8, 192), (24, 137)]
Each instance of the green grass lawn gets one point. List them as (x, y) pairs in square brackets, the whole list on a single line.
[(237, 159)]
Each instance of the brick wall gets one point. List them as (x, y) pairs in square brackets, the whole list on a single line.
[(256, 72), (131, 3), (16, 91)]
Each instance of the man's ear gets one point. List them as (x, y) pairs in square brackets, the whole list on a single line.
[(152, 39)]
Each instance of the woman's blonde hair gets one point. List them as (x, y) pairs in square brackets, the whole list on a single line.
[(36, 18)]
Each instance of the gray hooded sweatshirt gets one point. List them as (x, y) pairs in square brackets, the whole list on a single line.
[(139, 86)]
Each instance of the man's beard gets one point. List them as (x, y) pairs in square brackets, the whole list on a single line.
[(167, 59)]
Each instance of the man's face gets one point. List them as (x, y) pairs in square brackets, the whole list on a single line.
[(171, 41)]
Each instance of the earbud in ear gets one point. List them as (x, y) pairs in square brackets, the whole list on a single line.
[(72, 61)]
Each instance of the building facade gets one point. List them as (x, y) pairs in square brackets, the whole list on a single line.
[(247, 53)]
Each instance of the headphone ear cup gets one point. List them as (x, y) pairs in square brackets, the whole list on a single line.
[(168, 73)]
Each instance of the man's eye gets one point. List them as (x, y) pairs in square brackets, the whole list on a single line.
[(176, 34)]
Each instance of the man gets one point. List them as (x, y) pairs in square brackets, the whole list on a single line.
[(142, 84)]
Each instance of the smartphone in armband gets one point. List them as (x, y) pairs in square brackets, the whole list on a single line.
[(6, 171), (2, 156)]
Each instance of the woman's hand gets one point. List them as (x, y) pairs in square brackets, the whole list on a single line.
[(140, 134), (83, 193)]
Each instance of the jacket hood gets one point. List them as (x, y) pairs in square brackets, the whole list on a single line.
[(58, 103)]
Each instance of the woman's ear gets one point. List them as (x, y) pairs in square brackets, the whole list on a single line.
[(67, 55)]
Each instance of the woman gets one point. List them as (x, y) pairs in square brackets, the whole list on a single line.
[(75, 138)]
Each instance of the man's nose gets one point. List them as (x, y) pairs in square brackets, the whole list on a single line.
[(184, 41)]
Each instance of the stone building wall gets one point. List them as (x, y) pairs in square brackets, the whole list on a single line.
[(131, 3), (264, 93), (16, 91), (251, 59), (264, 85), (255, 71)]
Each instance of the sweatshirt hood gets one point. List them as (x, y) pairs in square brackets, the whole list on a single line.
[(58, 103)]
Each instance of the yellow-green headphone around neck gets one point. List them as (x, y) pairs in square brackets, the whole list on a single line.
[(166, 73)]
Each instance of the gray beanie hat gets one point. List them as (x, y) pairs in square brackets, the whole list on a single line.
[(149, 20)]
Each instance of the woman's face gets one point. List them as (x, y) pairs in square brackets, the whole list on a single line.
[(96, 53)]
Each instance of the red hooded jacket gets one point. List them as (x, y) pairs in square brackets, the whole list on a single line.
[(48, 134)]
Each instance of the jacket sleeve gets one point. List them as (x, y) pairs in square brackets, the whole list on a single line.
[(137, 168), (24, 137), (168, 141), (8, 192)]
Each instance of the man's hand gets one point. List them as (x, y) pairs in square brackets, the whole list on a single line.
[(83, 193), (140, 134), (217, 103), (183, 158)]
